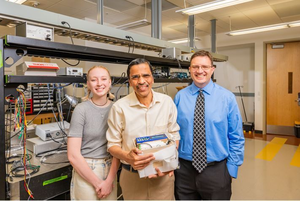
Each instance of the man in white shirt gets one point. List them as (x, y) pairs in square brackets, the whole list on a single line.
[(141, 113)]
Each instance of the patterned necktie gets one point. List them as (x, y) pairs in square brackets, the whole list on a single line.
[(199, 143)]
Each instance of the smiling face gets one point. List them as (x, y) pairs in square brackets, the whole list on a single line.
[(201, 77), (141, 80), (99, 81)]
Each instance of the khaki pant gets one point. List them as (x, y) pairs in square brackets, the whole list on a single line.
[(136, 188), (82, 190)]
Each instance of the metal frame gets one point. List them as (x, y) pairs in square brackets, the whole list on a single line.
[(21, 46), (2, 130)]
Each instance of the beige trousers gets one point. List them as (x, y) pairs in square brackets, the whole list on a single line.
[(136, 188), (82, 190)]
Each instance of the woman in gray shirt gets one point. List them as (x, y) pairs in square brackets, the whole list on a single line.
[(94, 169)]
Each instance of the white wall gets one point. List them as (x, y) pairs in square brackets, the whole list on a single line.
[(238, 71)]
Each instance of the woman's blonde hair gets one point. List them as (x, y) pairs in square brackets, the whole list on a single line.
[(109, 95)]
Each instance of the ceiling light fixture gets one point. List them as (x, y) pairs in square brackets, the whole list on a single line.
[(17, 1), (135, 24), (264, 28), (183, 40), (294, 24), (211, 6)]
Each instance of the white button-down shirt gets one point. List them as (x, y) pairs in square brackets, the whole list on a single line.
[(129, 119)]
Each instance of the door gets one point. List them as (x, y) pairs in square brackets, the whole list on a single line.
[(283, 86)]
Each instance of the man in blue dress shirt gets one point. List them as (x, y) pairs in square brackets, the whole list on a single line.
[(223, 132)]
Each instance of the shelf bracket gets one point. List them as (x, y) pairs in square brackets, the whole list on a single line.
[(12, 55)]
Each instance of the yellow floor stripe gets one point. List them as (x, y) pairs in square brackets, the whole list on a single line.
[(296, 159), (270, 151)]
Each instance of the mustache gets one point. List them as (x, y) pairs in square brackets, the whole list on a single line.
[(142, 85)]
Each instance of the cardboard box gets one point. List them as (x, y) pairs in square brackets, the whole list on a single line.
[(166, 159)]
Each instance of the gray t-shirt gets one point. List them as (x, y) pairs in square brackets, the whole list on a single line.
[(89, 122)]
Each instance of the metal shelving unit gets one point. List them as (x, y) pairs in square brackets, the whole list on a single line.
[(15, 47), (21, 46)]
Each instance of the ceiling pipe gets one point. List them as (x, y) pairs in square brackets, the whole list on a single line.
[(156, 8), (192, 30), (100, 12), (213, 35)]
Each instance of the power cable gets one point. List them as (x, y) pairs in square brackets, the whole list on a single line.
[(70, 30)]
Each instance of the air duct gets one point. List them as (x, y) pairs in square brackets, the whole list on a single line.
[(216, 57)]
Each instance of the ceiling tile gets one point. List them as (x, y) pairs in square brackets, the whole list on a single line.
[(166, 5), (287, 9), (197, 2), (263, 16), (170, 34), (168, 22), (138, 12), (117, 18), (61, 9), (251, 5), (290, 18), (79, 5), (119, 5), (272, 2), (223, 12), (43, 4), (179, 17), (139, 2), (238, 21)]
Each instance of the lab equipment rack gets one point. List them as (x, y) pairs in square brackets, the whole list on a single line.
[(15, 47)]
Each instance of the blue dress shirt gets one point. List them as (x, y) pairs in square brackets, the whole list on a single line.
[(223, 125)]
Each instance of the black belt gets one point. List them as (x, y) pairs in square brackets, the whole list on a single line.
[(214, 163), (208, 164), (129, 168)]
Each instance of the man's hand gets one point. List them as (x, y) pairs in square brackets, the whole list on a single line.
[(139, 162), (161, 174)]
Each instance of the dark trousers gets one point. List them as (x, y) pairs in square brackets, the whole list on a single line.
[(214, 183)]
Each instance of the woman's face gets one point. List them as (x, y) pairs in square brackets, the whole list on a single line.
[(99, 82)]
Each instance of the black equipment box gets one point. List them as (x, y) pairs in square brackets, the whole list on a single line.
[(248, 126), (45, 186)]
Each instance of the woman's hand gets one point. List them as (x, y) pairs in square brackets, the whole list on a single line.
[(105, 188)]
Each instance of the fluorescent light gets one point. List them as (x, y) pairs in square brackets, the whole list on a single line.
[(294, 24), (182, 40), (258, 29), (17, 1), (211, 6), (135, 24)]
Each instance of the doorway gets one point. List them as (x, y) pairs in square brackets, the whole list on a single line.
[(283, 86)]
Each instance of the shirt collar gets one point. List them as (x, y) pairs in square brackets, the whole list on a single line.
[(207, 89), (135, 101)]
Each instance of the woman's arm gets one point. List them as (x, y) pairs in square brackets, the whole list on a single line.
[(79, 163)]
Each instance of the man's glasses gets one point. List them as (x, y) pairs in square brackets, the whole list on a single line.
[(136, 77), (204, 67)]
